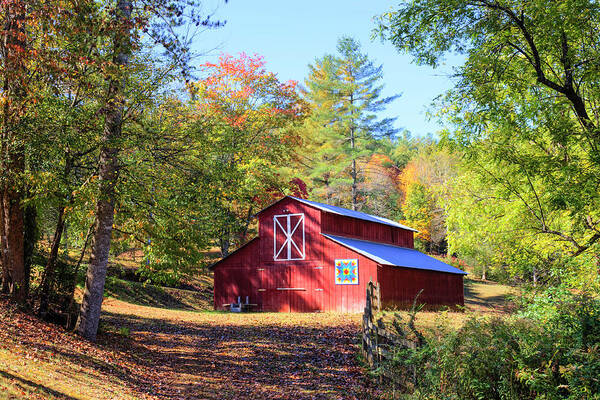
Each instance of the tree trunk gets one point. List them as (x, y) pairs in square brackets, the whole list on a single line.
[(59, 232), (89, 314), (224, 243), (71, 312), (66, 238), (354, 187), (12, 158), (48, 276), (30, 239), (14, 236), (3, 249), (354, 173)]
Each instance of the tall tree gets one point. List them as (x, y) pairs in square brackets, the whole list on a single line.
[(28, 60), (12, 147), (254, 119), (130, 19), (345, 93), (89, 316)]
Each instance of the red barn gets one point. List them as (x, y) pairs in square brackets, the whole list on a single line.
[(311, 257)]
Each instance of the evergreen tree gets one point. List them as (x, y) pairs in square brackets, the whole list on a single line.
[(344, 91)]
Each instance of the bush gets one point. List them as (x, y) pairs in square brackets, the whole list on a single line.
[(551, 350)]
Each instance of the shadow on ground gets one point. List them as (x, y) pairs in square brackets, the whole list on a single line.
[(485, 296), (158, 296), (214, 359), (27, 384)]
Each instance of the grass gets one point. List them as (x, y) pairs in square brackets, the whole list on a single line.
[(488, 297), (157, 296), (481, 298)]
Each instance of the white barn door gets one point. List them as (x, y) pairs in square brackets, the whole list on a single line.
[(288, 237)]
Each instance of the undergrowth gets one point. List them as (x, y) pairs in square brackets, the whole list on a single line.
[(548, 350)]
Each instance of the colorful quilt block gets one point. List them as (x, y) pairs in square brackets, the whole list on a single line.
[(346, 272)]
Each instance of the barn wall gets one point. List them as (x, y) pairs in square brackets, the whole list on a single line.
[(399, 286), (237, 276), (360, 229), (251, 271), (345, 298), (305, 276)]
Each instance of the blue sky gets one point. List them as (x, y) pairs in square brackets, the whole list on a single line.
[(291, 34)]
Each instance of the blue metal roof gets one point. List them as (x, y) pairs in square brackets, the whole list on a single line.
[(387, 254), (354, 214)]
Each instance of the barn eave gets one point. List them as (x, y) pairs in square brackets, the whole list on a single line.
[(233, 253)]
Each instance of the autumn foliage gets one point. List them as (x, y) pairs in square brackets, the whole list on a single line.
[(242, 91), (249, 119)]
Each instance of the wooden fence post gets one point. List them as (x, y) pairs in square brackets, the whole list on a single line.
[(377, 341), (378, 291)]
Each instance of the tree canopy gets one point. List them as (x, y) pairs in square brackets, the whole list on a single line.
[(522, 113), (344, 91)]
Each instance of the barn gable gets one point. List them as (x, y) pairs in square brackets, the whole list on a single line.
[(291, 233)]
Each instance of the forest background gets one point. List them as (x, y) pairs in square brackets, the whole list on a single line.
[(114, 139)]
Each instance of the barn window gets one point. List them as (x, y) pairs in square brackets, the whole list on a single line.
[(288, 237)]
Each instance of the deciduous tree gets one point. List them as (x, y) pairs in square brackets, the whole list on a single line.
[(523, 108), (129, 21), (253, 119)]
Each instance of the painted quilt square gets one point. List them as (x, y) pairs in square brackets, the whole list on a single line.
[(346, 272)]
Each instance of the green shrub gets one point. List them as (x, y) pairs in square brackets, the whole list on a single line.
[(551, 350)]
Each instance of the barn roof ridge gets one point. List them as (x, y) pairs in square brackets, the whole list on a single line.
[(345, 212), (393, 255)]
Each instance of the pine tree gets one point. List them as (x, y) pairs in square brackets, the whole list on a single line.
[(344, 91)]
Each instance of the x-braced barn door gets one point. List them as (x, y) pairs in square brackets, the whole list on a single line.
[(288, 237)]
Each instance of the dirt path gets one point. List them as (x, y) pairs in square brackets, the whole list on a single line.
[(241, 356), (156, 353)]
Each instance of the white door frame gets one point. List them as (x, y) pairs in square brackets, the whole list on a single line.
[(284, 223)]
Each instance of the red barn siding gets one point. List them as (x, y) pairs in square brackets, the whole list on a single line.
[(345, 298), (399, 286), (356, 228), (237, 275), (304, 279)]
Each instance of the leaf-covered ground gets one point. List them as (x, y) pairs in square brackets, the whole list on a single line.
[(153, 353)]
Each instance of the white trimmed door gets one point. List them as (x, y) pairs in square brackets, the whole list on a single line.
[(288, 237)]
